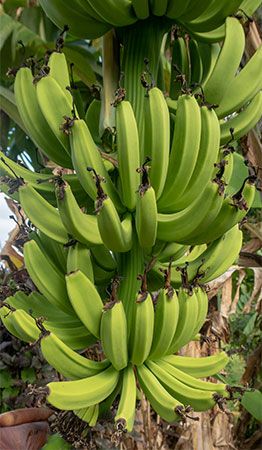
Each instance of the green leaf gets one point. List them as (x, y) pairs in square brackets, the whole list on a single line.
[(250, 325), (252, 402), (81, 66), (7, 26), (10, 392), (8, 105), (28, 374), (5, 379), (56, 442)]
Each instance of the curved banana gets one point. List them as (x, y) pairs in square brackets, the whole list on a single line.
[(227, 62), (68, 395), (156, 137), (104, 258), (125, 414), (85, 154), (165, 323), (81, 25), (79, 258), (128, 155), (233, 210), (146, 210), (59, 71), (47, 278), (214, 16), (161, 401), (243, 87), (188, 314), (208, 154), (55, 106), (180, 68), (81, 226), (200, 400), (184, 151), (158, 7), (182, 226), (113, 334), (142, 329), (43, 215), (85, 300), (118, 13), (198, 367), (191, 381), (141, 8), (67, 362), (116, 234), (243, 122), (35, 121)]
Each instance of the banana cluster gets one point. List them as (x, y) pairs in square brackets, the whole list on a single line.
[(93, 18), (71, 314), (121, 251)]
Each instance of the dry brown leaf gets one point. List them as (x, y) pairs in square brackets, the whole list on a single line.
[(241, 277), (253, 40), (257, 290), (226, 299)]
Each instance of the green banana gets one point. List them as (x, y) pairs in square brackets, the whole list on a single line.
[(85, 300), (85, 154), (79, 258), (47, 278), (67, 362), (184, 151), (141, 8), (68, 395), (161, 401), (227, 62), (81, 25), (128, 155), (165, 323), (35, 121), (198, 367), (192, 381), (142, 330), (243, 87), (156, 137), (125, 414), (200, 400), (113, 333), (187, 321), (43, 215), (81, 226), (243, 122), (55, 106)]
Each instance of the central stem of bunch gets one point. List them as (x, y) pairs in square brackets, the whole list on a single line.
[(141, 42)]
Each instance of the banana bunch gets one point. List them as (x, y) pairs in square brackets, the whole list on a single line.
[(216, 70), (93, 18), (119, 254), (155, 333)]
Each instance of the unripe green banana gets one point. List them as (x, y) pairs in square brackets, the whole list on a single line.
[(68, 395), (156, 137), (113, 334), (128, 153), (142, 330), (125, 414), (85, 300)]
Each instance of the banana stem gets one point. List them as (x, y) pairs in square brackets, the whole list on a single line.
[(110, 80), (141, 41), (131, 264)]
